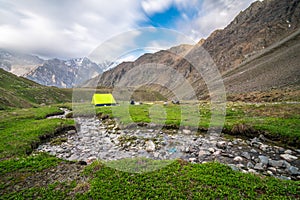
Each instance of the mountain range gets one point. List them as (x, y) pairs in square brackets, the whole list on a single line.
[(257, 51), (52, 72)]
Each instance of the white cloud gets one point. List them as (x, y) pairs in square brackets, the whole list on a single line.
[(212, 15), (69, 28), (155, 6), (64, 28)]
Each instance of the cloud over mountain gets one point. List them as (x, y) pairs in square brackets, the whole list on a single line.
[(66, 29)]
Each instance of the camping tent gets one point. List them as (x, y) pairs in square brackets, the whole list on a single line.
[(103, 100)]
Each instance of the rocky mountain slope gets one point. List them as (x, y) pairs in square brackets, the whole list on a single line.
[(53, 72), (276, 67), (20, 92), (65, 74), (260, 27), (18, 63)]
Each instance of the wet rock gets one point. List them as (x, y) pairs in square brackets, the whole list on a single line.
[(216, 153), (186, 149), (264, 160), (150, 146), (246, 155), (240, 166), (250, 165), (264, 147), (238, 159), (233, 167), (127, 144), (261, 137), (253, 151), (186, 131), (293, 170), (272, 169), (156, 155), (203, 153), (221, 144), (235, 142), (211, 150), (288, 157), (288, 151), (270, 173), (71, 132), (284, 177), (280, 150), (192, 149), (91, 159), (277, 163), (259, 166), (252, 171)]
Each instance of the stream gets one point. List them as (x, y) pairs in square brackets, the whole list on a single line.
[(96, 140)]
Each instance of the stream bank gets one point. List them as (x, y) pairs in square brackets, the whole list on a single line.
[(98, 140)]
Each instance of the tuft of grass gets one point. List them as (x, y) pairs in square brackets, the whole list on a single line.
[(32, 163)]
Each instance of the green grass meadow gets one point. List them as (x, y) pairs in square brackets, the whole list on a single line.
[(19, 128)]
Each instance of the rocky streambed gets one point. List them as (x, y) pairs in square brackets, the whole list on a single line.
[(98, 140)]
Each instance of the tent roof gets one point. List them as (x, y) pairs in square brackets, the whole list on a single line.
[(103, 99)]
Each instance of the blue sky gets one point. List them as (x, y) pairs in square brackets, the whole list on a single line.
[(67, 29), (166, 19)]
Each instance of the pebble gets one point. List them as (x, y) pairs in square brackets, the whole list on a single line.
[(150, 146), (288, 151), (221, 145), (288, 157), (238, 159), (252, 171), (246, 155), (250, 165), (259, 166), (293, 170), (203, 153), (269, 172), (264, 160), (272, 169), (277, 163), (186, 131), (211, 150)]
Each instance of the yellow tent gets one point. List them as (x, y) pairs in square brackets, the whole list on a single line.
[(103, 100)]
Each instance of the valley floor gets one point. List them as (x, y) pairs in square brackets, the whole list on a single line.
[(30, 175)]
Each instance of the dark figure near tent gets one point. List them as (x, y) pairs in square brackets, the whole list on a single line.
[(175, 101), (132, 102)]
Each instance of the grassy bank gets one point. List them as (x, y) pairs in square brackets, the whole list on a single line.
[(277, 121), (179, 180), (21, 129)]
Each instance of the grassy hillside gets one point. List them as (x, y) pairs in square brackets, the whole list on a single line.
[(21, 93)]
